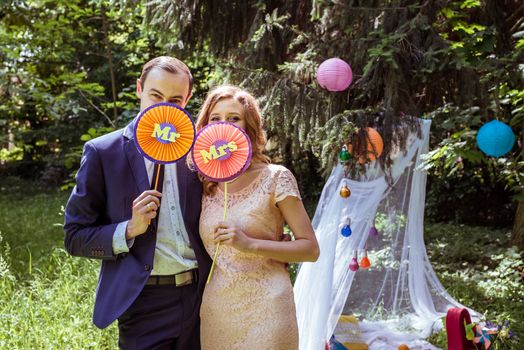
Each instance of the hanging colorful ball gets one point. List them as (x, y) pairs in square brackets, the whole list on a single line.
[(334, 74), (345, 192), (373, 232), (346, 231), (403, 347), (344, 154), (495, 138), (373, 150), (364, 262), (353, 265)]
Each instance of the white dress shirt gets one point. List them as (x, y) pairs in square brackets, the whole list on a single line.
[(173, 252)]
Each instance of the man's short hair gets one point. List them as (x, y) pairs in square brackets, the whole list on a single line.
[(169, 64)]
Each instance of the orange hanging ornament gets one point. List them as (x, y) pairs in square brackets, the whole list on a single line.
[(364, 262), (345, 192)]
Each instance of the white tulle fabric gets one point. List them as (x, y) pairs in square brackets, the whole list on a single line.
[(399, 298)]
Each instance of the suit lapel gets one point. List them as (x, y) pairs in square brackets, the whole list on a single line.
[(183, 180), (135, 159)]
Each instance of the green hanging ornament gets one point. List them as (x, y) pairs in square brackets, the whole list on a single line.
[(344, 154)]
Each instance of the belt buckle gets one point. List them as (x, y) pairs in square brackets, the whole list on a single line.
[(184, 278)]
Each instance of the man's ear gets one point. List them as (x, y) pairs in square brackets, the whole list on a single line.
[(138, 88), (187, 100)]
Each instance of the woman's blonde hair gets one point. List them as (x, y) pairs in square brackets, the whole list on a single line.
[(251, 115)]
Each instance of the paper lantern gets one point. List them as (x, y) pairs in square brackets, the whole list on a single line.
[(334, 74), (495, 138), (373, 150)]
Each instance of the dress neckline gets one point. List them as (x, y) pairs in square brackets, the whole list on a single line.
[(249, 185)]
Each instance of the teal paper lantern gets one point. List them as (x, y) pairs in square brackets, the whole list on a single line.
[(495, 138)]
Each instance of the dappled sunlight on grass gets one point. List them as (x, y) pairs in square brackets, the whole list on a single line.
[(479, 268), (46, 296)]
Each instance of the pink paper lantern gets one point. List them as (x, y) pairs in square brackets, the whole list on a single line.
[(334, 74)]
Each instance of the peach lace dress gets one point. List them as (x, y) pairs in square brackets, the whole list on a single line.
[(248, 304)]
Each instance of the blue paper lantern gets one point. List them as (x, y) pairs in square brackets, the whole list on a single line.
[(495, 138)]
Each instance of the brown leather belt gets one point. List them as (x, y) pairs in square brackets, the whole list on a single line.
[(180, 279)]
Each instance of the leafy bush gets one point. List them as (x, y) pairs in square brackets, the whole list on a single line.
[(481, 270)]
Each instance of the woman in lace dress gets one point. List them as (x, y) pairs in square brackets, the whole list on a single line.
[(249, 303)]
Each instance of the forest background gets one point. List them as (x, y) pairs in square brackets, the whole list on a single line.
[(68, 72)]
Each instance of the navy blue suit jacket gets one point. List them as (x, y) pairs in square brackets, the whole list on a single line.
[(112, 174)]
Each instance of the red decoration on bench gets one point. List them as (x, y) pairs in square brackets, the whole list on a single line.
[(456, 319)]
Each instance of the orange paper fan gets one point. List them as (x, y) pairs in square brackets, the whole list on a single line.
[(222, 151), (164, 133)]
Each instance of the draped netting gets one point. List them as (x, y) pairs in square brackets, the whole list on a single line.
[(399, 298)]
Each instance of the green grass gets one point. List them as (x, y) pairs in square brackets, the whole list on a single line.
[(46, 296), (480, 269)]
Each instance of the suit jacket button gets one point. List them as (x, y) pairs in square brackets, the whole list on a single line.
[(147, 267)]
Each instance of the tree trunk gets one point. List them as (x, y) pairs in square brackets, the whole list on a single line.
[(109, 56), (517, 236)]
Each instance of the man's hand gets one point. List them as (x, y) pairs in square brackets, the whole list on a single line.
[(145, 209)]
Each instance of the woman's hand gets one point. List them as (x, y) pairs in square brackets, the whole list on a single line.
[(226, 233)]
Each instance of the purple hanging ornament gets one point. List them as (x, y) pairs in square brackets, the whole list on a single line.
[(373, 233)]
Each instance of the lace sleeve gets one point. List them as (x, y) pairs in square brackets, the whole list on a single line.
[(286, 185)]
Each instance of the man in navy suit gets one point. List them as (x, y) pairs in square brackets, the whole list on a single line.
[(154, 265)]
